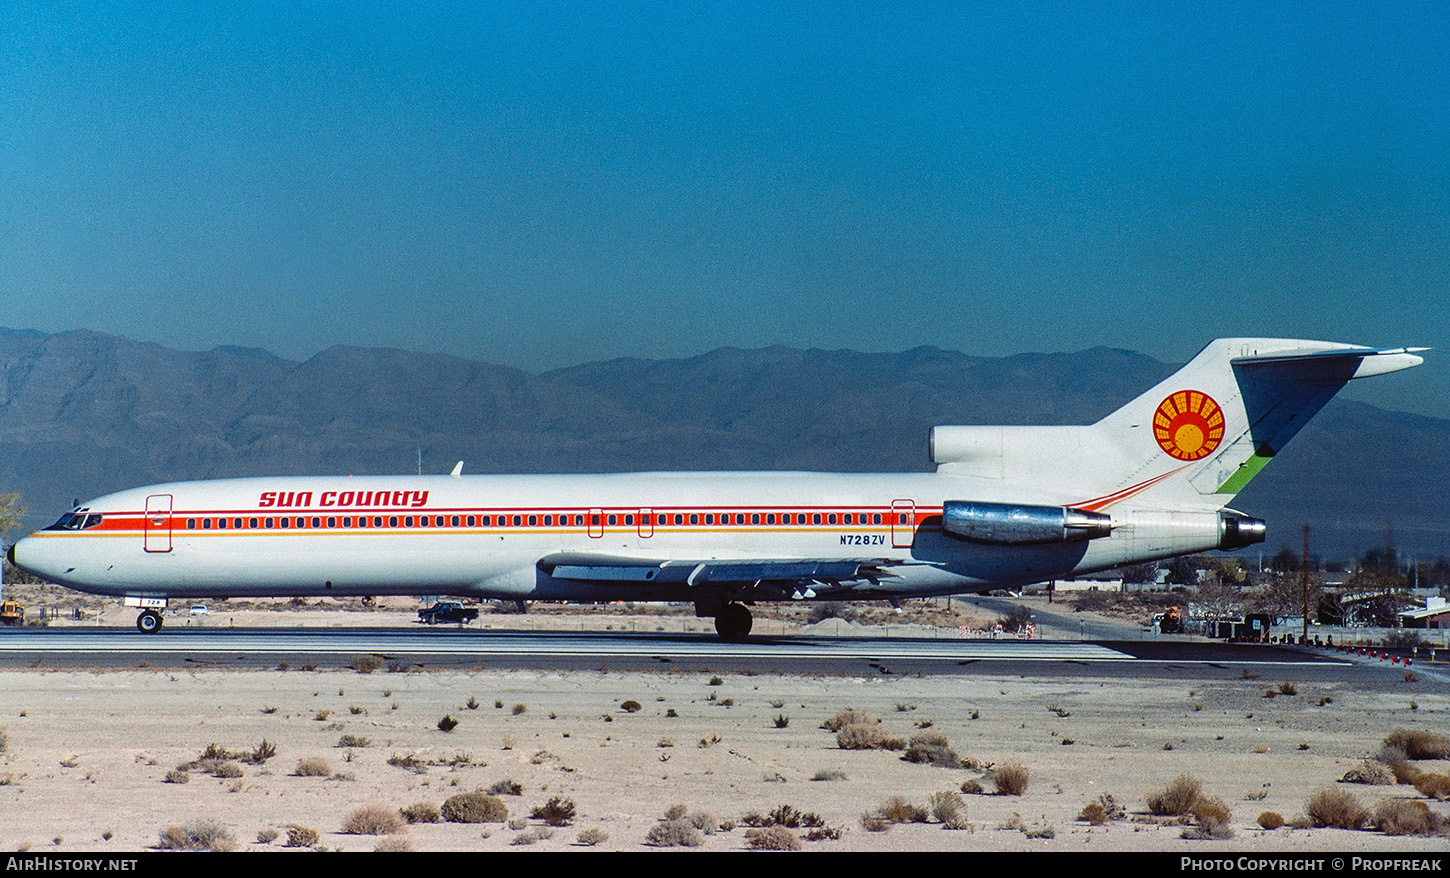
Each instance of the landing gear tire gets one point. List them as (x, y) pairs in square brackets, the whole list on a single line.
[(733, 622), (149, 622)]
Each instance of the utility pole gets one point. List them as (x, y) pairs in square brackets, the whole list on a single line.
[(1304, 575)]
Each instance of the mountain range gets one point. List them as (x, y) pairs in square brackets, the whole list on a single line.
[(83, 413)]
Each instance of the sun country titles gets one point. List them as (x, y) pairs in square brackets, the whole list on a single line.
[(1188, 425)]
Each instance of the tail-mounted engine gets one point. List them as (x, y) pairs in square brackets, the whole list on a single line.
[(1236, 530), (1016, 524)]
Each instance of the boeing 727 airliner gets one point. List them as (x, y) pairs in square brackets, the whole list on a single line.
[(1007, 506)]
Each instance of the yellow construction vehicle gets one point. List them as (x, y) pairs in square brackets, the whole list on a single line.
[(11, 613)]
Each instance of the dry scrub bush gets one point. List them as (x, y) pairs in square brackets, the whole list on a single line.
[(263, 751), (932, 748), (421, 812), (199, 835), (226, 770), (365, 664), (1011, 779), (506, 787), (373, 819), (947, 805), (899, 810), (1419, 744), (299, 836), (1405, 817), (1178, 798), (848, 717), (591, 837), (674, 833), (178, 775), (394, 844), (447, 723), (313, 766), (267, 836), (1211, 819), (558, 811), (1394, 758), (1270, 820), (773, 838), (475, 807), (1433, 785), (631, 706), (1104, 809), (1370, 772), (862, 736), (1336, 808)]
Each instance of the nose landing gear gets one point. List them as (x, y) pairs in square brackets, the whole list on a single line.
[(149, 622)]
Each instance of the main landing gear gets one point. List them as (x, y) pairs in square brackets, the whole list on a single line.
[(149, 622), (733, 622)]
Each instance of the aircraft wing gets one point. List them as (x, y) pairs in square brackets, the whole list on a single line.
[(804, 571)]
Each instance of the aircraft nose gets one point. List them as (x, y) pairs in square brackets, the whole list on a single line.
[(22, 556)]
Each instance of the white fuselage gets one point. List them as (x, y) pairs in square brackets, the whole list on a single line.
[(484, 536)]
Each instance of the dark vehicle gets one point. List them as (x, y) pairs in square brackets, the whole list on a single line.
[(447, 611), (1170, 621)]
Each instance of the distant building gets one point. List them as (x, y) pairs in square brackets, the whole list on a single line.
[(1087, 583), (1435, 614)]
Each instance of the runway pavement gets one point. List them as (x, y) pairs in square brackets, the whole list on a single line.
[(410, 649)]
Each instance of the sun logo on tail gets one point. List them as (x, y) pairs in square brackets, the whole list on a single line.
[(1188, 425)]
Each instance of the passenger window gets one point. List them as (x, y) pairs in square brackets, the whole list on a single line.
[(533, 520), (191, 524)]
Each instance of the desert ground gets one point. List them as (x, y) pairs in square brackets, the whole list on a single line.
[(107, 760)]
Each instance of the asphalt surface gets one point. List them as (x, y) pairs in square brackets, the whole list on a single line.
[(407, 649)]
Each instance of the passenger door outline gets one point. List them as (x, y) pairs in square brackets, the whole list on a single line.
[(157, 525)]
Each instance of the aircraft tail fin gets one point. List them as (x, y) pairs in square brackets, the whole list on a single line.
[(1196, 437)]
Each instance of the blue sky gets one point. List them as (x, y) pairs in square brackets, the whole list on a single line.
[(546, 184)]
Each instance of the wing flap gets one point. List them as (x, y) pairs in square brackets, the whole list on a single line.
[(608, 568)]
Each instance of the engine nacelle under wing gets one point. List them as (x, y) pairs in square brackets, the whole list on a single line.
[(1017, 524)]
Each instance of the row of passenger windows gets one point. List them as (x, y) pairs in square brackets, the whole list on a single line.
[(564, 520)]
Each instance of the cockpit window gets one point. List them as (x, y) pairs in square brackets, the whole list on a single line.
[(76, 521)]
